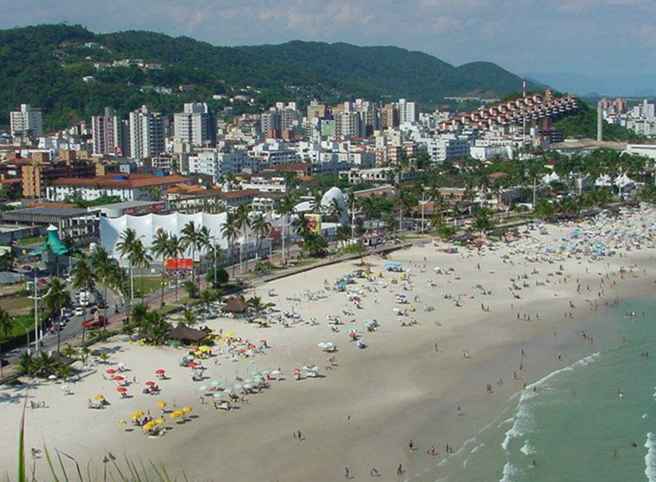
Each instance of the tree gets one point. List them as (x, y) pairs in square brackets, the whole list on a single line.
[(230, 231), (56, 298), (285, 207), (261, 227), (221, 278), (243, 223), (6, 326), (83, 276), (125, 246), (139, 258), (103, 267), (483, 221), (195, 239), (174, 249), (160, 249)]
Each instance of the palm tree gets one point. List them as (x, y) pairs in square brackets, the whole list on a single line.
[(160, 249), (83, 276), (139, 258), (230, 231), (261, 227), (55, 299), (6, 327), (102, 266), (125, 247), (285, 208), (193, 239), (243, 222), (174, 250)]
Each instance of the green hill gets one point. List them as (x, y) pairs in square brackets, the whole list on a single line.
[(44, 66)]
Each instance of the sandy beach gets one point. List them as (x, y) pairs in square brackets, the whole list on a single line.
[(479, 326)]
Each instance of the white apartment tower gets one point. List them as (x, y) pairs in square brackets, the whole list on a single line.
[(407, 111), (28, 120), (106, 133), (146, 134), (194, 125)]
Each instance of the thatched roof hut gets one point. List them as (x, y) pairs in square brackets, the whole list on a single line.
[(235, 304), (185, 334)]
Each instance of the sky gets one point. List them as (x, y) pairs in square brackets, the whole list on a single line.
[(596, 44)]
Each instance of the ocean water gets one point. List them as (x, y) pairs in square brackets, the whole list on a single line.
[(592, 421)]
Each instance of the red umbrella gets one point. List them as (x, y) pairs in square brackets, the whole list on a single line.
[(118, 378), (150, 383), (160, 371), (121, 390), (110, 370)]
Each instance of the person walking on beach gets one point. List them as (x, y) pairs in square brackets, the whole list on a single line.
[(399, 470), (374, 472), (347, 472)]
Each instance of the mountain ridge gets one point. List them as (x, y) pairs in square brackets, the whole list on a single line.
[(45, 66)]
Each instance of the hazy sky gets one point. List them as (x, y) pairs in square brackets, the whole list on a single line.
[(588, 37)]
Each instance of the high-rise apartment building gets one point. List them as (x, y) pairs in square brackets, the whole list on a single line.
[(194, 125), (106, 133), (146, 133), (27, 121), (389, 116), (271, 123), (407, 112), (348, 124)]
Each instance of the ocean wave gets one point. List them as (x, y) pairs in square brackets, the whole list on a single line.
[(650, 458), (527, 449), (523, 420), (509, 472)]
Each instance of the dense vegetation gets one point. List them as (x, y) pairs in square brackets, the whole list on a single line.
[(44, 66), (583, 125)]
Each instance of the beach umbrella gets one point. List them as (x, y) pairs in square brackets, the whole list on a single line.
[(137, 414), (160, 371), (219, 395), (118, 378), (122, 390), (149, 426), (161, 404), (176, 414), (202, 388), (99, 397), (150, 383)]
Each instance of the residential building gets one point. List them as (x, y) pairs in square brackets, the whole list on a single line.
[(37, 176), (126, 188), (348, 125), (146, 133), (194, 125), (216, 163), (447, 147), (27, 121), (106, 132), (407, 112)]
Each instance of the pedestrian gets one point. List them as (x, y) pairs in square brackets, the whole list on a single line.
[(347, 472), (399, 470), (374, 472)]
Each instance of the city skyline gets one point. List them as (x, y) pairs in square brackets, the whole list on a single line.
[(585, 38)]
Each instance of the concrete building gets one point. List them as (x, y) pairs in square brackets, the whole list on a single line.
[(446, 148), (646, 150), (73, 223), (27, 121), (348, 125), (36, 176), (216, 163), (126, 188), (106, 132), (407, 112), (146, 133), (194, 125)]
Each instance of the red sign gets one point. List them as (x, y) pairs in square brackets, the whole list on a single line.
[(178, 264)]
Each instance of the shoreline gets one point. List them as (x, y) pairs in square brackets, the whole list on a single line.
[(397, 389)]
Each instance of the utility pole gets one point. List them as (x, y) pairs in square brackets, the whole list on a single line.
[(535, 188), (353, 219), (37, 338)]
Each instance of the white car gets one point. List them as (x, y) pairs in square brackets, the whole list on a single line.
[(78, 312)]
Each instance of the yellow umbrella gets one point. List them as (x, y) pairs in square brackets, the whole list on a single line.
[(204, 348), (161, 404), (176, 414), (159, 421), (100, 397), (137, 414), (186, 410), (149, 426)]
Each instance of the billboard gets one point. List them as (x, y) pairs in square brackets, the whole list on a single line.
[(178, 264)]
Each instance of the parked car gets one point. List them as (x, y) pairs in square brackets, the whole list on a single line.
[(93, 324), (79, 312)]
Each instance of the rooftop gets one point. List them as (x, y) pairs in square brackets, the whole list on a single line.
[(122, 182)]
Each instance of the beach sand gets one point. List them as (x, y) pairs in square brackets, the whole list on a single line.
[(364, 412)]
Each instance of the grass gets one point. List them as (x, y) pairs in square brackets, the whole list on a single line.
[(147, 284), (23, 324), (17, 305), (31, 241)]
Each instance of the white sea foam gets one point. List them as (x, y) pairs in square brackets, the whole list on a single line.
[(650, 458), (527, 448), (523, 421), (509, 472)]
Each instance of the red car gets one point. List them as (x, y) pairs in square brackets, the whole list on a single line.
[(93, 324)]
